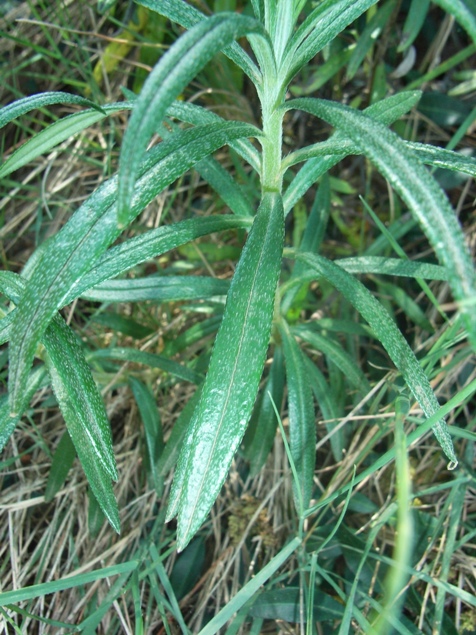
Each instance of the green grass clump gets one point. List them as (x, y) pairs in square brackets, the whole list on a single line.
[(248, 326)]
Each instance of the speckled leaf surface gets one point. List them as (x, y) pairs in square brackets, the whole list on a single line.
[(232, 382)]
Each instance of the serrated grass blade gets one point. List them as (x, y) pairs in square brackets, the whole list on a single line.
[(233, 377)]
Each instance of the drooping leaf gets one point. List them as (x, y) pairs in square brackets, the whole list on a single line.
[(386, 111), (187, 16), (74, 250), (84, 414), (391, 338), (33, 102), (425, 199), (55, 134), (232, 381)]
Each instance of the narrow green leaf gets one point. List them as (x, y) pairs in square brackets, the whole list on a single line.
[(7, 421), (78, 396), (464, 12), (80, 405), (63, 460), (55, 134), (74, 386), (390, 337), (250, 589), (38, 590), (152, 360), (369, 35), (173, 72), (75, 249), (441, 158), (302, 421), (158, 289), (187, 16), (152, 428), (33, 102), (414, 21), (259, 439), (393, 267), (322, 25), (225, 185), (336, 354), (233, 377), (328, 406), (150, 245), (386, 111), (418, 189)]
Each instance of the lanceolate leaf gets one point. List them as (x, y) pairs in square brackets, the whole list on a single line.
[(78, 396), (151, 244), (84, 413), (302, 422), (389, 335), (386, 111), (417, 188), (187, 16), (233, 377), (158, 289), (75, 249), (173, 72), (55, 134), (32, 102)]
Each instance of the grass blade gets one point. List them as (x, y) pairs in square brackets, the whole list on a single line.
[(233, 377), (250, 589)]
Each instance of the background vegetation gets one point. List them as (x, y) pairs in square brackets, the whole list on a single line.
[(366, 556)]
